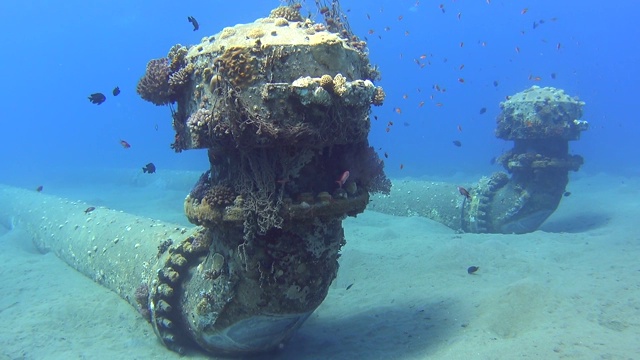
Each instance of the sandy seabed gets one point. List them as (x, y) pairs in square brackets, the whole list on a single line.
[(568, 291)]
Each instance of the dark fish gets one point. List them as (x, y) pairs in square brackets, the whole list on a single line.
[(472, 269), (553, 76), (194, 22), (457, 143), (97, 98), (483, 110), (464, 192), (89, 209), (566, 193), (535, 24), (349, 287), (116, 91), (495, 83), (39, 188), (149, 168)]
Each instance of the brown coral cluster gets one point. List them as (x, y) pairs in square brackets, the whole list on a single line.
[(198, 124), (180, 78), (165, 77), (154, 85), (326, 81), (378, 96), (287, 12), (220, 195), (238, 65), (178, 57)]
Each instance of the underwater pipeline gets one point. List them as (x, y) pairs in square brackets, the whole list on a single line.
[(541, 121)]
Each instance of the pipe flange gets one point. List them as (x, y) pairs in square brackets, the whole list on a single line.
[(481, 199), (165, 289)]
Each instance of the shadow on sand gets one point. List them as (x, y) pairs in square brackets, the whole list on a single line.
[(576, 223)]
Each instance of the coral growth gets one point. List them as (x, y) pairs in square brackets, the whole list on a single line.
[(180, 78), (165, 77), (220, 195), (178, 57), (288, 12), (198, 124), (378, 96), (238, 65), (141, 296), (326, 81), (154, 85)]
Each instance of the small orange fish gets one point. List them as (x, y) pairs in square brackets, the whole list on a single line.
[(398, 110), (461, 80), (464, 192), (537, 78), (423, 56), (125, 144), (524, 11), (518, 50)]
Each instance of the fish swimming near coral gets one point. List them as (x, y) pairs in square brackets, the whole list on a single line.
[(149, 168), (116, 91), (194, 22), (343, 178), (97, 98), (89, 209), (464, 192)]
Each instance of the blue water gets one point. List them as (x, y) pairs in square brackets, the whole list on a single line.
[(57, 53)]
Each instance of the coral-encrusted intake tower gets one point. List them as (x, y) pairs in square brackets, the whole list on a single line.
[(282, 105)]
